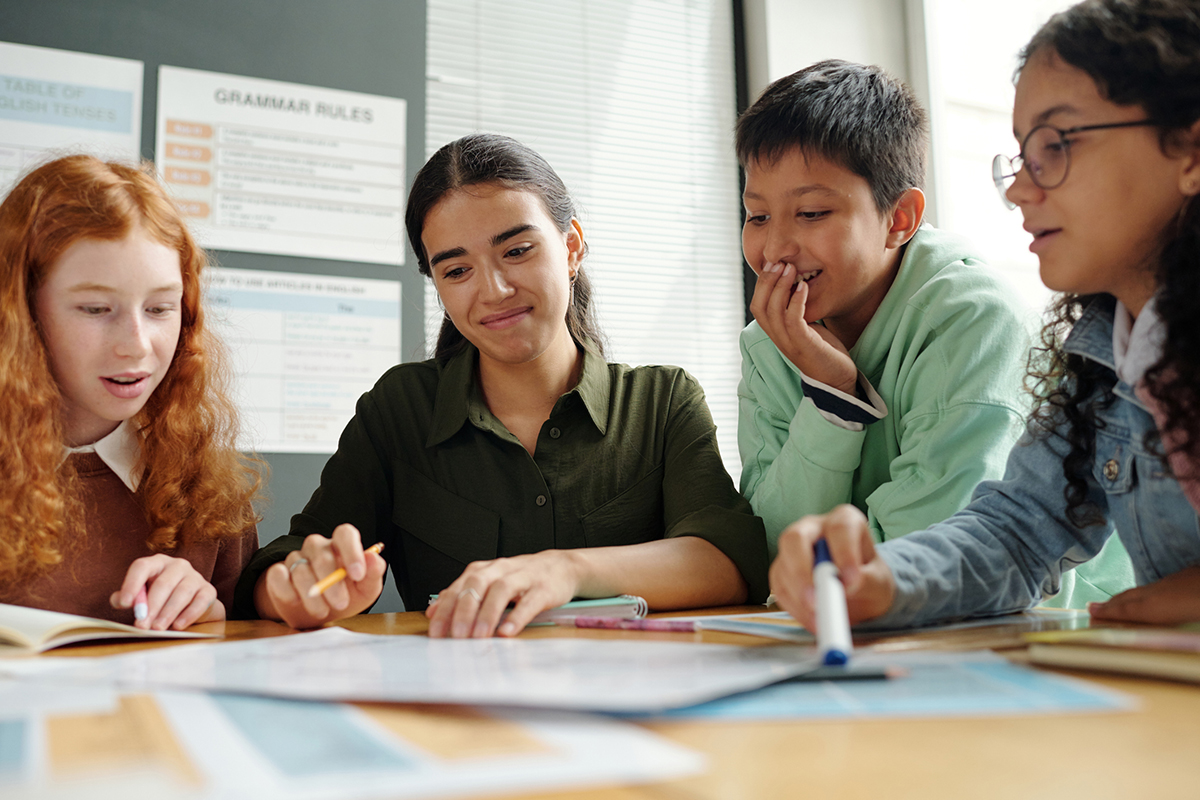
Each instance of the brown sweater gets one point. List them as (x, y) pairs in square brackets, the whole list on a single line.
[(94, 564)]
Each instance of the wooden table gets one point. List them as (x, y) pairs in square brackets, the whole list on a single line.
[(1153, 752)]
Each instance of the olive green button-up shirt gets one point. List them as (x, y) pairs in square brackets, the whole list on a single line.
[(627, 456)]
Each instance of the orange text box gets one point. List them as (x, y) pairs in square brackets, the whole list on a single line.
[(193, 208), (183, 128), (191, 177), (188, 152)]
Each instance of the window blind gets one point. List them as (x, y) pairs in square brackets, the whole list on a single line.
[(633, 104)]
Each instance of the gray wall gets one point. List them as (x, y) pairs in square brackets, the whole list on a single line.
[(371, 46)]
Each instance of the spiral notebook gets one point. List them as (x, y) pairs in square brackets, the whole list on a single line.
[(625, 606)]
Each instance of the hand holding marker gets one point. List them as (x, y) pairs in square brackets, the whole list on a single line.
[(834, 645), (141, 606)]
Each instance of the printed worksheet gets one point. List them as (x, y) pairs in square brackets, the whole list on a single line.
[(581, 674), (976, 683), (170, 745)]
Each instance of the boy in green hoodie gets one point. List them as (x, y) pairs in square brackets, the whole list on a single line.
[(885, 364)]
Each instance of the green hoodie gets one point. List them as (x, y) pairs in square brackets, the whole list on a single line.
[(946, 351)]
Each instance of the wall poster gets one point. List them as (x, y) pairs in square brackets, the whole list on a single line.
[(57, 102), (265, 166), (304, 348)]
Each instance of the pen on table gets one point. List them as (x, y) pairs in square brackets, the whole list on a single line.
[(834, 644), (141, 605), (610, 623), (338, 575)]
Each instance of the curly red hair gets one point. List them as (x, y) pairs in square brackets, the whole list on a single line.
[(196, 484)]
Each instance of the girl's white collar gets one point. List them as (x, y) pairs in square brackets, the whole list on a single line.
[(120, 451), (1137, 344)]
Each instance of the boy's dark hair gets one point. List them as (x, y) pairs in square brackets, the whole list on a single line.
[(853, 115)]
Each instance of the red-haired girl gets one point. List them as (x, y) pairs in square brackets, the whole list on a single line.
[(122, 487)]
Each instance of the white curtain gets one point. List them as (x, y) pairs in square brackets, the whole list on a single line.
[(632, 102)]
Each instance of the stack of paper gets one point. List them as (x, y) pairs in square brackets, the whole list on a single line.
[(1171, 653)]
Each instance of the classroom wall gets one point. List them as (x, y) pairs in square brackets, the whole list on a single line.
[(786, 35), (371, 46), (783, 36)]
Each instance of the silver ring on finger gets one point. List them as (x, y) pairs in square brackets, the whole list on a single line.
[(472, 592), (297, 563)]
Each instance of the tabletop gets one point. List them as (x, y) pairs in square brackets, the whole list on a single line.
[(1150, 752)]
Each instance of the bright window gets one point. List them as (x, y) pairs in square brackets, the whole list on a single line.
[(632, 102), (972, 51)]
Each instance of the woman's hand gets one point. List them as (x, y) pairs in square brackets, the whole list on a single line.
[(779, 310), (473, 605), (870, 586), (282, 591), (177, 596), (1171, 601)]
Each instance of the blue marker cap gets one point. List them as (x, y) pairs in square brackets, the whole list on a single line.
[(821, 551), (835, 658)]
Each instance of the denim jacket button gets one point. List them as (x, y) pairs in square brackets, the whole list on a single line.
[(1111, 469)]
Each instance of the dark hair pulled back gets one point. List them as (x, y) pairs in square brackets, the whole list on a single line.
[(483, 158)]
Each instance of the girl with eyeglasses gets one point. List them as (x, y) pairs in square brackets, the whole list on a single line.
[(1107, 112)]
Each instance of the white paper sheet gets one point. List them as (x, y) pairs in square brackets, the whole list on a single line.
[(584, 674), (24, 696)]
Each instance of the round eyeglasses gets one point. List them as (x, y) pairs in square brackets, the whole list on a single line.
[(1046, 156)]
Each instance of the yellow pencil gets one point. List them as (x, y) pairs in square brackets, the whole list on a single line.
[(339, 574)]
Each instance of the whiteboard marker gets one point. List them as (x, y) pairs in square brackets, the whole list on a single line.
[(834, 645)]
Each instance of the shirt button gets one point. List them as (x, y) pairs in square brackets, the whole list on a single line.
[(1111, 469), (555, 433), (541, 500)]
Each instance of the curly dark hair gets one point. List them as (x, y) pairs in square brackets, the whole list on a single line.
[(1144, 53)]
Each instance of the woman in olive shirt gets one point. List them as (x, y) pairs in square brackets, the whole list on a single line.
[(517, 466)]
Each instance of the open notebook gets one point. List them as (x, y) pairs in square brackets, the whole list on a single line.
[(25, 631)]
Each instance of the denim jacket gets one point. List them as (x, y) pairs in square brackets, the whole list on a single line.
[(1008, 549)]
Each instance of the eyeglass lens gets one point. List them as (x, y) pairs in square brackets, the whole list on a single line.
[(1044, 157)]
